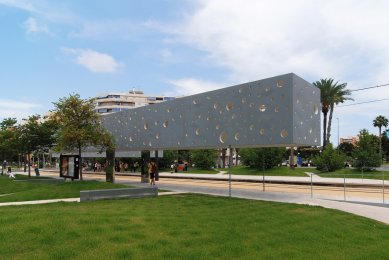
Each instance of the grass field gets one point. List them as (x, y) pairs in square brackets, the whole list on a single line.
[(201, 171), (277, 171), (300, 171), (187, 227), (357, 174), (34, 190)]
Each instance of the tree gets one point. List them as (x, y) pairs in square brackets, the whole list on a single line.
[(8, 139), (29, 138), (346, 148), (379, 122), (79, 126), (261, 157), (366, 153), (330, 160), (331, 94), (169, 156), (385, 146), (47, 134), (204, 159)]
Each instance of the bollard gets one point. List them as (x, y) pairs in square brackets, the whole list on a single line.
[(311, 187), (383, 188), (344, 186), (263, 173), (229, 169), (263, 181), (229, 184), (37, 171)]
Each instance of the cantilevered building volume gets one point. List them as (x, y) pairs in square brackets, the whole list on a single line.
[(115, 102), (278, 111)]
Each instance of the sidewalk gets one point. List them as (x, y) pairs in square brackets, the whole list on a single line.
[(34, 202)]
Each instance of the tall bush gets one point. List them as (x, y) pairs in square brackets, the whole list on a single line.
[(261, 157), (330, 160), (204, 159), (367, 153)]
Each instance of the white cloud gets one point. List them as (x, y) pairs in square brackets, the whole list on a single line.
[(314, 39), (47, 10), (31, 25), (344, 40), (17, 109), (191, 86), (20, 4), (94, 61)]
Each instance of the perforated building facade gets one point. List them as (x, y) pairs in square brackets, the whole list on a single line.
[(277, 111)]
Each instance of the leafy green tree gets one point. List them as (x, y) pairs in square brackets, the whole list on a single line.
[(36, 135), (331, 94), (183, 155), (169, 156), (366, 153), (80, 127), (8, 139), (47, 134), (385, 146), (346, 148), (330, 160), (379, 122), (261, 157), (30, 137), (204, 159)]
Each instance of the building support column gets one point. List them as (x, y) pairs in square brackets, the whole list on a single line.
[(291, 161), (145, 158), (156, 163), (110, 166)]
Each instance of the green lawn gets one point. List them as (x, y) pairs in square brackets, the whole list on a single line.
[(187, 227), (300, 171), (277, 171), (199, 171), (357, 174), (23, 191)]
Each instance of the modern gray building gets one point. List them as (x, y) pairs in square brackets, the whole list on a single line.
[(278, 111)]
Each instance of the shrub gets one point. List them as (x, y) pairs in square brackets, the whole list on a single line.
[(262, 157), (204, 159), (367, 152), (330, 160)]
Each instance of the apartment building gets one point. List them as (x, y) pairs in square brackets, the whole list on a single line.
[(115, 102), (350, 139)]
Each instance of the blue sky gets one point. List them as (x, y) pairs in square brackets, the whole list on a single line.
[(52, 48)]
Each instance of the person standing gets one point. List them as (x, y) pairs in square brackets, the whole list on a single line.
[(152, 169), (4, 167), (136, 165)]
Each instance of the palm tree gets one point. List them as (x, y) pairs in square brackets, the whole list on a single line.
[(379, 122), (341, 94), (331, 94)]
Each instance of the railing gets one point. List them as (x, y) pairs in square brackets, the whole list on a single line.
[(342, 186), (367, 187)]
